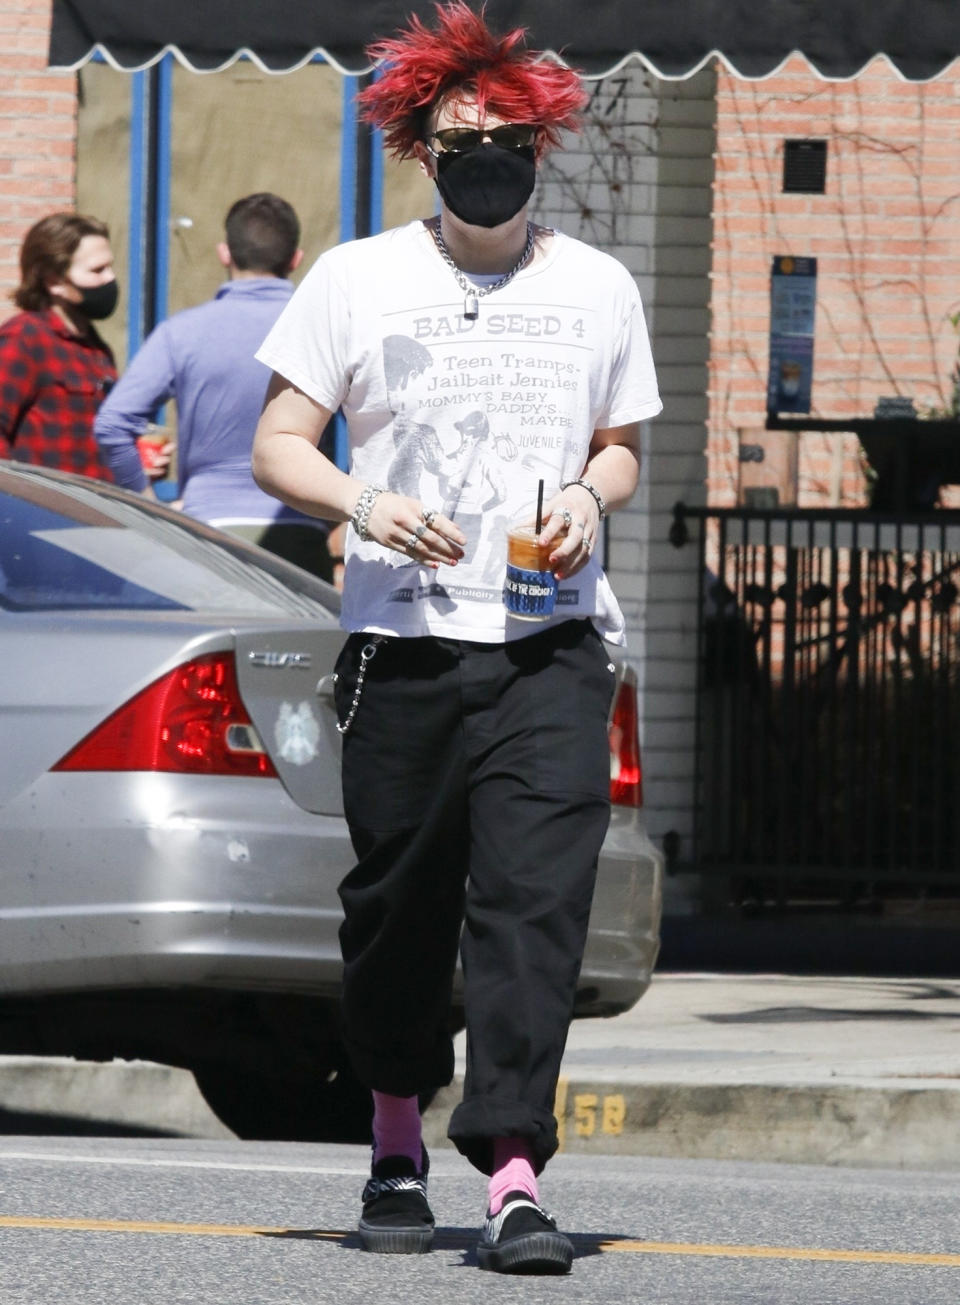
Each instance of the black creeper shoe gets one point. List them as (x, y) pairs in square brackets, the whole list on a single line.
[(523, 1238), (396, 1218)]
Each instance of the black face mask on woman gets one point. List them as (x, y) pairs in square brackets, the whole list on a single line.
[(487, 185), (98, 301)]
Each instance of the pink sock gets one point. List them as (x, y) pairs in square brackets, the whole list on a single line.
[(396, 1127), (512, 1171)]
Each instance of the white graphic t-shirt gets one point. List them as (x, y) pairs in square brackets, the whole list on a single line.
[(466, 415)]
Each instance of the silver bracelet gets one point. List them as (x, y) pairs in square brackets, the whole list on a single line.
[(361, 513), (591, 489)]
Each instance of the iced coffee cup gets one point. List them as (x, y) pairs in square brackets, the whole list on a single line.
[(530, 587)]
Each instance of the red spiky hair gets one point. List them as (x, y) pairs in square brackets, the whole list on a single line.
[(422, 65)]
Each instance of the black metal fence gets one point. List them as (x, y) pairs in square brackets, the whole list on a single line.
[(828, 702)]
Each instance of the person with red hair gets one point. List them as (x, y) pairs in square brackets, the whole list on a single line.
[(491, 370), (463, 58)]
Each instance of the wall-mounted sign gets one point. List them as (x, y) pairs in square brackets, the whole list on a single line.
[(793, 305)]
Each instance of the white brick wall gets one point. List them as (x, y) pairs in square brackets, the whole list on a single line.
[(638, 184)]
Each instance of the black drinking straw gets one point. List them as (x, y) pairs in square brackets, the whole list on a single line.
[(540, 507)]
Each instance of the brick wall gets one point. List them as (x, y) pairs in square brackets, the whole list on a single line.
[(887, 238), (38, 111)]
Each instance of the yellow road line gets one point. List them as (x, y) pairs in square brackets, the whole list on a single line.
[(782, 1253), (184, 1229), (705, 1249)]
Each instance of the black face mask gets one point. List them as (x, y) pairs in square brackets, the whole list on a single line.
[(98, 301), (487, 185)]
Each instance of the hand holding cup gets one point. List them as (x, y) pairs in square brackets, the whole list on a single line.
[(156, 449)]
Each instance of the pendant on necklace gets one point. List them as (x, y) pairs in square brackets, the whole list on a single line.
[(471, 306)]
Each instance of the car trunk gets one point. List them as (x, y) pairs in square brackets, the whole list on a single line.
[(286, 682)]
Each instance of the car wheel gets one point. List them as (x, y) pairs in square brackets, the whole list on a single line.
[(290, 1105)]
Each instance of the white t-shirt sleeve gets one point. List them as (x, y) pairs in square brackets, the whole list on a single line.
[(633, 394), (308, 343)]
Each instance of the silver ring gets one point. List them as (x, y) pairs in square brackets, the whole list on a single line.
[(411, 543), (428, 515), (567, 517), (588, 542), (421, 531)]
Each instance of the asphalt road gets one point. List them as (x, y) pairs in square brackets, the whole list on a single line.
[(170, 1222)]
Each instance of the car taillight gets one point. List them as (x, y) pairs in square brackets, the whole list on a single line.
[(626, 777), (192, 720)]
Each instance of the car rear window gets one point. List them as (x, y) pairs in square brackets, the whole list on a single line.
[(66, 547)]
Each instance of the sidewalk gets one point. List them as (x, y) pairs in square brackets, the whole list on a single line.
[(856, 1071)]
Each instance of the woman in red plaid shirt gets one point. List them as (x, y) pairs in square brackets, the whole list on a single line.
[(54, 368)]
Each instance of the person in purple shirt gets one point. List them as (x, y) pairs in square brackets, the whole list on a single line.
[(203, 358)]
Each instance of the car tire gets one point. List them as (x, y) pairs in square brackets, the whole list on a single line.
[(292, 1106)]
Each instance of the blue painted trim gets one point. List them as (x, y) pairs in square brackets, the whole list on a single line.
[(376, 173), (139, 159), (341, 441), (164, 166), (348, 161), (348, 229), (376, 183)]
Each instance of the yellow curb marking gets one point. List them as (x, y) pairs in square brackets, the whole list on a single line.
[(590, 1109), (633, 1247), (560, 1110)]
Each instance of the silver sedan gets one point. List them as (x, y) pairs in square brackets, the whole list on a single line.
[(171, 828)]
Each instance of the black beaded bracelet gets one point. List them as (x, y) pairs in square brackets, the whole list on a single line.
[(591, 489)]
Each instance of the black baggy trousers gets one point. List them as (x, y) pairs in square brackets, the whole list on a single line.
[(476, 788)]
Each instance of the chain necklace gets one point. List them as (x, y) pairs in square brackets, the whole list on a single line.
[(473, 293)]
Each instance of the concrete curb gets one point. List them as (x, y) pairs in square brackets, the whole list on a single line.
[(865, 1125), (862, 1125), (811, 1070), (125, 1094)]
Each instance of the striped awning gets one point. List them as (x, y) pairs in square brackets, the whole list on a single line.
[(672, 38)]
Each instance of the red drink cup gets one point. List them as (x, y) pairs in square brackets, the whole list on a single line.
[(150, 447)]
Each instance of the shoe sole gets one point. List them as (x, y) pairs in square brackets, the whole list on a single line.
[(395, 1241), (533, 1253)]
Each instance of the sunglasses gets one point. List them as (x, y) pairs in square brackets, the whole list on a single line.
[(509, 136)]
